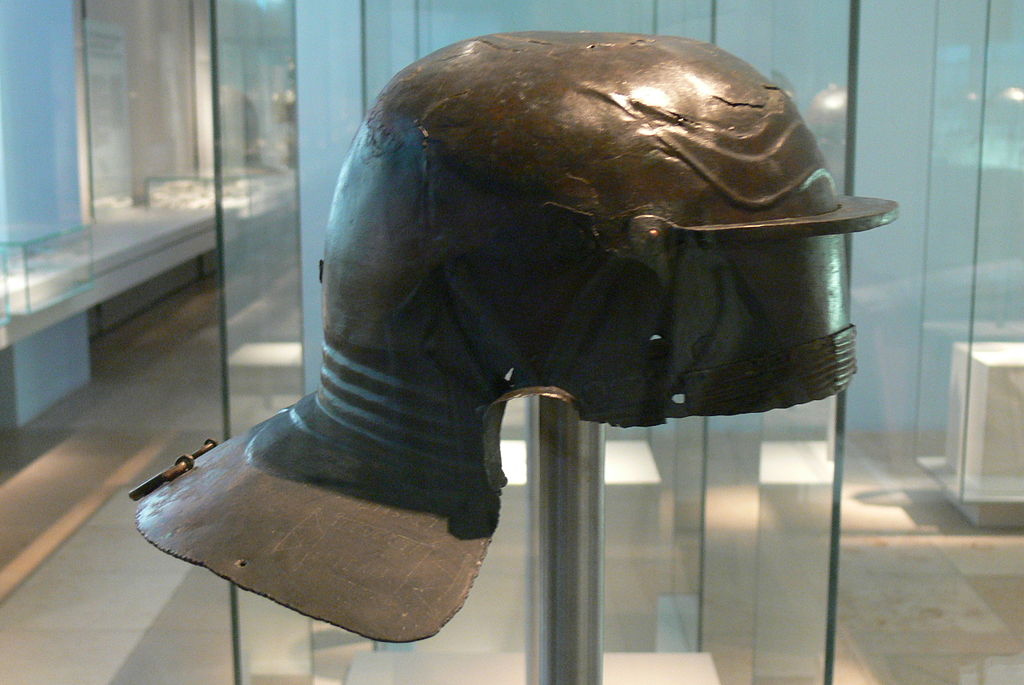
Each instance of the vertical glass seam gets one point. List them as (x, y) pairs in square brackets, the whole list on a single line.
[(759, 584), (192, 64), (972, 309), (852, 81), (236, 632), (417, 47), (714, 21), (702, 527), (296, 188), (835, 533), (88, 187), (923, 298), (839, 417), (218, 212)]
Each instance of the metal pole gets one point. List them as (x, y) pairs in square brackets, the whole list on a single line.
[(565, 458)]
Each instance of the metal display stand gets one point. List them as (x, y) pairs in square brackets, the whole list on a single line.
[(565, 462)]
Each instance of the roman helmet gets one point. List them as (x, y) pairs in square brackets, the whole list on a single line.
[(644, 223)]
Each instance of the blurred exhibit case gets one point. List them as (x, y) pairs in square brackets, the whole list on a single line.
[(43, 266)]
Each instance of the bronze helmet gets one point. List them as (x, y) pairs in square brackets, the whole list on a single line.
[(642, 222)]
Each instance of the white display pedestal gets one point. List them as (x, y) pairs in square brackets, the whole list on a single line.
[(426, 668), (983, 468), (993, 435)]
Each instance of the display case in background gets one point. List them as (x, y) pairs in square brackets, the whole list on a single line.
[(45, 266), (148, 100), (146, 143), (180, 192), (970, 419)]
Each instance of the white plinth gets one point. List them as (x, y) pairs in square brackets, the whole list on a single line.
[(989, 440), (985, 445), (426, 668)]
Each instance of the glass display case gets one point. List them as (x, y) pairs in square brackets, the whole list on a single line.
[(45, 266), (720, 533), (970, 425), (723, 538)]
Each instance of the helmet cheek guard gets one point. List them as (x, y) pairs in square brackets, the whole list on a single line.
[(643, 223)]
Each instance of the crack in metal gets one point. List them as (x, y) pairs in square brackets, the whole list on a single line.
[(754, 105)]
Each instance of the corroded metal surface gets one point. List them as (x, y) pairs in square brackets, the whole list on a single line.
[(643, 223), (383, 572)]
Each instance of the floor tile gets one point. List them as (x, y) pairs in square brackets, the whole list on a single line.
[(61, 597), (63, 657), (978, 555)]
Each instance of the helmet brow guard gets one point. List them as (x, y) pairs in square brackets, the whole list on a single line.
[(643, 222)]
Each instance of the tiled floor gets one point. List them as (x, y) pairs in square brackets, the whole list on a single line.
[(106, 607), (925, 598)]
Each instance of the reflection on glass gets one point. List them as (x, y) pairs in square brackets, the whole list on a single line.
[(994, 461), (5, 303)]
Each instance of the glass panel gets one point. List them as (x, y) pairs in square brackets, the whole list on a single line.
[(993, 458), (400, 31), (678, 451), (784, 460), (685, 18), (969, 406), (949, 249), (930, 587), (730, 550), (256, 89), (255, 82)]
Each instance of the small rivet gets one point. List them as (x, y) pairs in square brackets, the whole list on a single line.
[(508, 375), (655, 337), (241, 563), (679, 398)]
